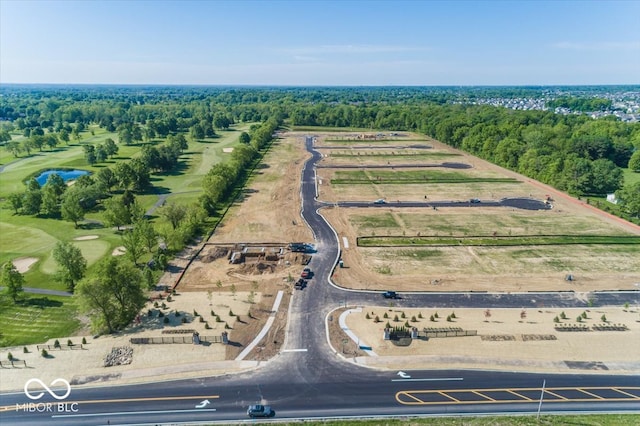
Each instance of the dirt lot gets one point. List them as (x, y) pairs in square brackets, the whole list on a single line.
[(450, 269), (505, 340)]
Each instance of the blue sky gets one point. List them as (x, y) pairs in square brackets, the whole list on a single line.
[(307, 42)]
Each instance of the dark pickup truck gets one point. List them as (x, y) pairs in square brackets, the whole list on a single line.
[(300, 284), (390, 295)]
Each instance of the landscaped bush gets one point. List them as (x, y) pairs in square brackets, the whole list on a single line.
[(56, 344), (166, 320), (44, 353)]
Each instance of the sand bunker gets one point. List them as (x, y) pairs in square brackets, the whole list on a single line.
[(23, 264), (119, 251), (86, 237)]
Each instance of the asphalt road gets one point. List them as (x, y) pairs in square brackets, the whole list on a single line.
[(308, 380)]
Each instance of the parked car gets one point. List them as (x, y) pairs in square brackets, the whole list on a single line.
[(390, 295), (260, 411), (306, 273), (300, 284)]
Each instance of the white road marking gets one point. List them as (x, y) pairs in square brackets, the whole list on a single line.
[(294, 350), (444, 379), (126, 413), (346, 242)]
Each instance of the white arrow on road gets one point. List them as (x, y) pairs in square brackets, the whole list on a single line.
[(203, 404), (403, 375)]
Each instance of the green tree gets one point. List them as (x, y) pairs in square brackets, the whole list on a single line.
[(50, 205), (101, 154), (634, 162), (174, 213), (110, 147), (14, 147), (196, 132), (245, 138), (51, 195), (32, 198), (71, 208), (90, 154), (629, 199), (63, 135), (28, 145), (71, 263), (124, 175), (112, 296), (133, 242), (147, 233), (15, 199), (116, 212), (106, 179), (12, 280), (606, 177)]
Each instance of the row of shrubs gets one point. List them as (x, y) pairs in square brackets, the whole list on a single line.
[(432, 318)]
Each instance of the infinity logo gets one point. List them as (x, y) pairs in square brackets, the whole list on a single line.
[(52, 393)]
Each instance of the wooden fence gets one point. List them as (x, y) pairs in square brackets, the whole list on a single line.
[(172, 339)]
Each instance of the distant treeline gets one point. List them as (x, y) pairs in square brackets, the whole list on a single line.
[(581, 104), (574, 153)]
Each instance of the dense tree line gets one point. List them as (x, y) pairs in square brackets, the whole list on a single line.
[(221, 179), (580, 104), (573, 153)]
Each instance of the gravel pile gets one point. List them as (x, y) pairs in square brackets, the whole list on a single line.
[(122, 355)]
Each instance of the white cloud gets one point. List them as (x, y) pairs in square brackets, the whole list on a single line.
[(349, 49), (623, 45)]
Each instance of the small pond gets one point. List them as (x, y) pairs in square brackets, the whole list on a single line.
[(64, 174)]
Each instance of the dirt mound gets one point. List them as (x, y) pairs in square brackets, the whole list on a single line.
[(297, 258), (257, 268), (213, 253)]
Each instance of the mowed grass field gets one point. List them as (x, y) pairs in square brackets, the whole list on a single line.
[(37, 318), (30, 236)]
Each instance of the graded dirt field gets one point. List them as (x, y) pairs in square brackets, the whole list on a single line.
[(470, 268), (505, 340)]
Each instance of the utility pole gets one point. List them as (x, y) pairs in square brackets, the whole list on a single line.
[(544, 382)]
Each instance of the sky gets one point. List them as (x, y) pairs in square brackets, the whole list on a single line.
[(311, 43)]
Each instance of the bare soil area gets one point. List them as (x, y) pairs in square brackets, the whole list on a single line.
[(507, 340), (475, 268)]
